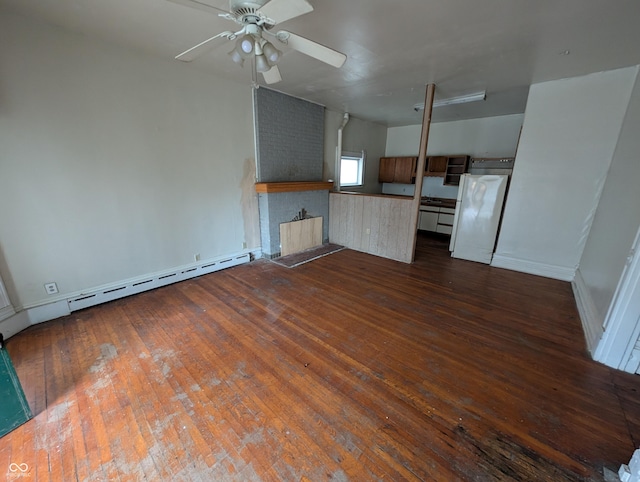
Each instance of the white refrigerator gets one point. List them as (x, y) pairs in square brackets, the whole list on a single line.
[(477, 217)]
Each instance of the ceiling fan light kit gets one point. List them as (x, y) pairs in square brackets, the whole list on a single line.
[(261, 64), (272, 53), (257, 17), (236, 57), (246, 46)]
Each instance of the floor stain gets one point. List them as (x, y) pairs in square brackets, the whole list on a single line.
[(107, 352)]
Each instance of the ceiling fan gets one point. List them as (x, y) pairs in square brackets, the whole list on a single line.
[(254, 38)]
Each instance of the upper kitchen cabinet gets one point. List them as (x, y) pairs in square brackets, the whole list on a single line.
[(403, 169), (436, 166), (397, 169), (387, 169), (456, 166)]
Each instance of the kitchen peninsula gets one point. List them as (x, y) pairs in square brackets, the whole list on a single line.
[(379, 224)]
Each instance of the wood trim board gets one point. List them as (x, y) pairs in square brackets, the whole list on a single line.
[(271, 187)]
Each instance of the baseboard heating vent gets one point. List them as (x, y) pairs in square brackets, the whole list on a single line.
[(132, 287)]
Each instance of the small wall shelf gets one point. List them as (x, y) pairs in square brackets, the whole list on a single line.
[(456, 166)]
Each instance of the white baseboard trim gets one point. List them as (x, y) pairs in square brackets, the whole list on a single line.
[(14, 324), (64, 305), (32, 316), (50, 311), (533, 267), (137, 285), (6, 312), (591, 322)]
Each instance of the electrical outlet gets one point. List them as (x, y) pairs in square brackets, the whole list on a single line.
[(244, 245), (51, 288), (196, 257)]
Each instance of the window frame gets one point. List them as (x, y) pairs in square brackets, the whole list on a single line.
[(358, 156)]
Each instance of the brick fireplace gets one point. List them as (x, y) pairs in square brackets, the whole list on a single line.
[(290, 153)]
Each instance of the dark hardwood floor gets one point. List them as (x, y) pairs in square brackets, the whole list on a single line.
[(350, 367)]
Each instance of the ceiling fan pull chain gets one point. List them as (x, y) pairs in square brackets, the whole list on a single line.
[(254, 73)]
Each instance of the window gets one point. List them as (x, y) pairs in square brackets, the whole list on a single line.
[(352, 169)]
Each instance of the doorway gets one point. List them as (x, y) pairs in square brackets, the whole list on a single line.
[(620, 344)]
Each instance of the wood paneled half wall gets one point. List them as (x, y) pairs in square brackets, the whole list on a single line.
[(374, 224)]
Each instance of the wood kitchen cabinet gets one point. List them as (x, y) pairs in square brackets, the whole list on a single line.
[(397, 169), (436, 166), (403, 169), (387, 169)]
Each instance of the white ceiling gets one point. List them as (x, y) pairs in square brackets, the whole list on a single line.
[(394, 47)]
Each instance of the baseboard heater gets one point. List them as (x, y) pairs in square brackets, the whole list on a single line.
[(132, 287)]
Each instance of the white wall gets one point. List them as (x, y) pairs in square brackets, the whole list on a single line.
[(615, 224), (114, 164), (570, 131), (485, 137), (357, 135), (404, 140)]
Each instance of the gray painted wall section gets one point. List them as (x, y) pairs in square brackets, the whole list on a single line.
[(290, 138)]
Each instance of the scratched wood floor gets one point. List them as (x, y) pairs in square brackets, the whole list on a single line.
[(350, 367)]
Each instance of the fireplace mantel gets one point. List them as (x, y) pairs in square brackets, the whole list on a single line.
[(272, 187)]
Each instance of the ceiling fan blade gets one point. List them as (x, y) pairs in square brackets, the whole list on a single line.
[(272, 76), (201, 48), (312, 49), (200, 6), (282, 10)]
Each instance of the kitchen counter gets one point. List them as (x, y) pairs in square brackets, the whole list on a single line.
[(440, 202), (368, 194)]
